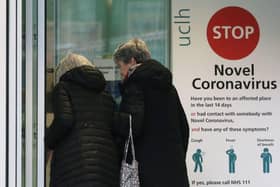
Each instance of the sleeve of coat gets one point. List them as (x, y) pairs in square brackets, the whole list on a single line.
[(121, 124), (132, 104), (184, 127), (63, 117)]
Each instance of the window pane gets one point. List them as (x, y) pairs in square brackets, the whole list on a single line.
[(94, 28), (147, 19)]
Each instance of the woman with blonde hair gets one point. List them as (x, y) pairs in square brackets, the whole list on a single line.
[(85, 152)]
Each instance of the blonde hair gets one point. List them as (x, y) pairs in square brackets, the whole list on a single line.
[(134, 48), (69, 62)]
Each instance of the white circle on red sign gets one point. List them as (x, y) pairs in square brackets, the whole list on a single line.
[(233, 33)]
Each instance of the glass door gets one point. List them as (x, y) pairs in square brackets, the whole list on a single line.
[(94, 28), (24, 85), (31, 169)]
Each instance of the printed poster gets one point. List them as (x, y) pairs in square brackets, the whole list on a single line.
[(225, 57)]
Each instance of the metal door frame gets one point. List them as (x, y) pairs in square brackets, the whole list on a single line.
[(14, 93), (35, 109), (12, 98), (41, 93), (3, 89)]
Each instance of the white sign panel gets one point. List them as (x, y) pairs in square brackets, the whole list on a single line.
[(225, 57)]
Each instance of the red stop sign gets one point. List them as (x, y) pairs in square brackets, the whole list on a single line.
[(233, 33)]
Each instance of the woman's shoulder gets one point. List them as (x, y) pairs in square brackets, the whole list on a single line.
[(61, 87), (152, 74)]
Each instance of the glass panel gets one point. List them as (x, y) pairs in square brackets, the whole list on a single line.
[(94, 28), (29, 92), (146, 19)]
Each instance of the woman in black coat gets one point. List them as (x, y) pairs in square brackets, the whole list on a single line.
[(159, 123), (85, 152)]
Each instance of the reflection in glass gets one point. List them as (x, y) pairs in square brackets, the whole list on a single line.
[(94, 28)]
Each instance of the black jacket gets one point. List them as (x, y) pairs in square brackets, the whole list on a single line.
[(159, 125), (85, 152)]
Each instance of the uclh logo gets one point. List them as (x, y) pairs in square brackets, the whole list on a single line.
[(183, 26)]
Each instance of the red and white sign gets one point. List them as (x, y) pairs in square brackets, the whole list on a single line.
[(225, 64), (233, 33)]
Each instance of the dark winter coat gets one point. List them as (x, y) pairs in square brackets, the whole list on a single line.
[(159, 125), (85, 153)]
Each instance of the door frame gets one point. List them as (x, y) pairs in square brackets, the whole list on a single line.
[(14, 93), (35, 88), (3, 88), (41, 92), (22, 134)]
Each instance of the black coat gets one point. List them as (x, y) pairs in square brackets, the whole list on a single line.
[(159, 125), (85, 152)]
